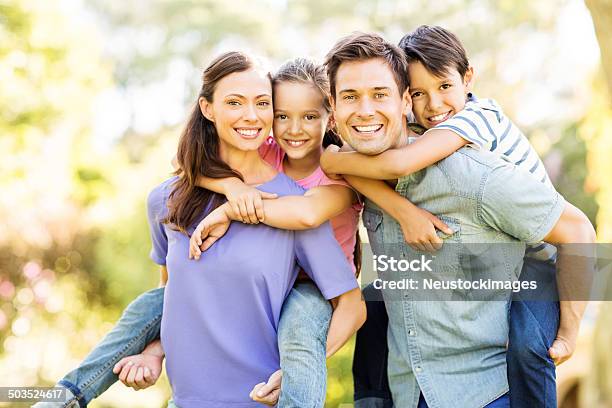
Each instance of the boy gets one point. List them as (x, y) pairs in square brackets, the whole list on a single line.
[(440, 80)]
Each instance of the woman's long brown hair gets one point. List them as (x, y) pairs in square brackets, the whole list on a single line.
[(305, 71), (198, 150)]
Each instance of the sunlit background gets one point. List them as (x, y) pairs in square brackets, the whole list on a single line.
[(92, 98)]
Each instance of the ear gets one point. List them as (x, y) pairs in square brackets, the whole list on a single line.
[(206, 109), (331, 122), (468, 79), (406, 103)]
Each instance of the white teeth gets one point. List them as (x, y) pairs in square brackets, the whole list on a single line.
[(439, 117), (247, 132), (370, 128), (295, 143)]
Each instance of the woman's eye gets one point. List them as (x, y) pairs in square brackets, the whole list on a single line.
[(263, 103)]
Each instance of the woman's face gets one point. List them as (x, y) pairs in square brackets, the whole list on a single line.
[(300, 119), (241, 110)]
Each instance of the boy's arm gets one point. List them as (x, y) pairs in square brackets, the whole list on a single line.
[(433, 146), (348, 316), (418, 225)]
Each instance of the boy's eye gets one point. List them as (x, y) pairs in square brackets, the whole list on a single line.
[(445, 86), (416, 94), (281, 116)]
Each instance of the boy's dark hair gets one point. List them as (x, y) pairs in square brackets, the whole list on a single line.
[(436, 48), (363, 46)]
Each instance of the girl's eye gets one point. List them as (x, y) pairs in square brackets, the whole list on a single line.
[(281, 116), (310, 117)]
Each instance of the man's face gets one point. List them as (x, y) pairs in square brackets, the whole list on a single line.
[(436, 99), (368, 107)]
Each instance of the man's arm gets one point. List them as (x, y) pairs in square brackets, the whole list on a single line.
[(426, 150), (573, 235)]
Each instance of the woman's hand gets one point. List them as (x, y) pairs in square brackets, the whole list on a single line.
[(268, 393), (208, 231), (419, 228), (247, 202), (141, 371)]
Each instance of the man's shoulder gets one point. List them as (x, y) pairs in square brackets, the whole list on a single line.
[(475, 158)]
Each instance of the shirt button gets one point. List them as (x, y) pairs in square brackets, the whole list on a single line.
[(418, 369), (411, 333)]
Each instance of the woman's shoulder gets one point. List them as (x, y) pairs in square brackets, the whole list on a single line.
[(158, 196), (282, 185)]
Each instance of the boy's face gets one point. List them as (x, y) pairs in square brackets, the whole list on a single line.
[(436, 99), (369, 109)]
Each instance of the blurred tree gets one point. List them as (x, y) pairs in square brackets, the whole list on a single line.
[(599, 386)]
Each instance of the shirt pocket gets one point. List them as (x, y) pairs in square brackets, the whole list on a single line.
[(454, 225), (373, 222)]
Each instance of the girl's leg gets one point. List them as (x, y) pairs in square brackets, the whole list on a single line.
[(371, 354), (138, 326), (533, 328), (302, 341)]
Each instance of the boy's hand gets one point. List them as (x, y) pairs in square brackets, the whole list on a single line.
[(208, 231), (327, 160), (247, 202), (141, 370), (419, 228), (563, 347), (268, 393)]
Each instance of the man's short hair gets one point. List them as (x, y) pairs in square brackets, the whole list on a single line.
[(436, 48), (364, 46)]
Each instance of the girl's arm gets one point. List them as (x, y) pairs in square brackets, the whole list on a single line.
[(348, 316), (433, 146), (163, 275)]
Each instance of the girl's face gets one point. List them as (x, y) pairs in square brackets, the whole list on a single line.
[(300, 119), (241, 110)]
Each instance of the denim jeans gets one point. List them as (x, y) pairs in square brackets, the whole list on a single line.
[(138, 326), (533, 326), (302, 341)]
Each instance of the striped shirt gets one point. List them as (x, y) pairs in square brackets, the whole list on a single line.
[(483, 123)]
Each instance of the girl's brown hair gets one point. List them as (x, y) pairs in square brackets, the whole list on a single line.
[(198, 150), (305, 71)]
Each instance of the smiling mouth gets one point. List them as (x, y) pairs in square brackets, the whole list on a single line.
[(295, 143), (441, 117), (248, 133), (367, 130)]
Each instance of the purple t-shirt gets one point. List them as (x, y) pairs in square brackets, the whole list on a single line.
[(221, 313)]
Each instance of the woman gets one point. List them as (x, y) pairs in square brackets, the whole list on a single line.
[(221, 312)]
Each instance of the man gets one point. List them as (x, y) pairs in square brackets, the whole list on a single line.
[(442, 353)]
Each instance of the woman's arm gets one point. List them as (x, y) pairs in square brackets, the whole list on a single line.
[(433, 146), (348, 316)]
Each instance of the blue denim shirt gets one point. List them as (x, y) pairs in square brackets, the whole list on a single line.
[(453, 349)]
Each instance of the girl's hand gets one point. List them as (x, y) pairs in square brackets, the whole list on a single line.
[(247, 202), (419, 228), (268, 393), (328, 159), (208, 231)]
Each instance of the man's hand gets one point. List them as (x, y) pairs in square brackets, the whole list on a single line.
[(562, 348), (247, 202), (208, 231), (419, 228), (268, 393), (141, 370)]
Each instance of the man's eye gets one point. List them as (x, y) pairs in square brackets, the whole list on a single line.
[(349, 97), (233, 103), (379, 95)]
